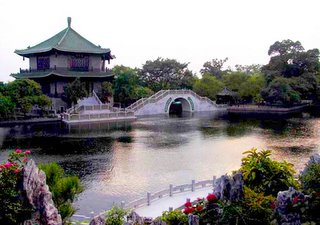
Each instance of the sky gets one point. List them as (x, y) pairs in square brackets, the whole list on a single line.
[(193, 31)]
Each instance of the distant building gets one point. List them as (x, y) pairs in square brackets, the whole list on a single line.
[(59, 60)]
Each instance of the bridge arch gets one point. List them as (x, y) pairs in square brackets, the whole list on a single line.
[(179, 105)]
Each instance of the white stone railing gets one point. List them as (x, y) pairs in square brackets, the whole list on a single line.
[(96, 97), (161, 94), (172, 190), (97, 116)]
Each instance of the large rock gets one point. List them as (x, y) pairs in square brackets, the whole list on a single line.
[(39, 196), (229, 188)]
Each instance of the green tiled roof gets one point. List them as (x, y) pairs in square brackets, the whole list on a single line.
[(41, 74), (68, 40)]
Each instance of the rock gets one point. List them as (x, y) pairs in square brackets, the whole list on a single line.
[(39, 196), (98, 220), (229, 188)]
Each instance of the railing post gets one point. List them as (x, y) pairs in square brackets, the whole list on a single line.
[(122, 204), (148, 198), (193, 182), (170, 209), (170, 190)]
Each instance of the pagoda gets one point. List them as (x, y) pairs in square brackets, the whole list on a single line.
[(61, 59)]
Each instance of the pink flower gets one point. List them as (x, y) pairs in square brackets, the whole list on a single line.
[(27, 152), (8, 164), (25, 160), (17, 170), (18, 150)]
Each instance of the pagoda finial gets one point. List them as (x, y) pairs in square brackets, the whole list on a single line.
[(69, 21)]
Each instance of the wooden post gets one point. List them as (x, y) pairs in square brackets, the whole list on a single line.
[(148, 198), (170, 190), (193, 182)]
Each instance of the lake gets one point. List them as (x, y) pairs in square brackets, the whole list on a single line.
[(122, 161)]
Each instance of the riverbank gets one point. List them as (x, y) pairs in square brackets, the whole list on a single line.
[(29, 121), (259, 109)]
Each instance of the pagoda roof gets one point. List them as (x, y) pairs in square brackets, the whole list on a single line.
[(67, 40), (227, 92), (62, 73)]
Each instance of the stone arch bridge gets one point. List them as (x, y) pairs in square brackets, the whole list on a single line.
[(160, 103)]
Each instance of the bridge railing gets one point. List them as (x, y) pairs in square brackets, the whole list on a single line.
[(81, 117), (172, 190), (161, 94)]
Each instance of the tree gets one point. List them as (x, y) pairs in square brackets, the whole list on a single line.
[(166, 74), (208, 86), (250, 89), (125, 83), (106, 91), (75, 91), (26, 93), (214, 67), (234, 80), (6, 106), (279, 92), (249, 69), (290, 60)]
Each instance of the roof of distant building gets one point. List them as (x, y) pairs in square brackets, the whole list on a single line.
[(227, 92), (62, 73), (67, 40)]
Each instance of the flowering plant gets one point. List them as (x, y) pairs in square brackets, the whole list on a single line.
[(14, 208)]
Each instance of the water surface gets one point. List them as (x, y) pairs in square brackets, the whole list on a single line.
[(122, 161)]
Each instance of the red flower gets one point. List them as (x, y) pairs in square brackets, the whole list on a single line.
[(272, 205), (212, 198), (27, 152), (295, 200), (18, 150), (199, 207), (188, 204), (8, 164), (188, 210), (17, 171)]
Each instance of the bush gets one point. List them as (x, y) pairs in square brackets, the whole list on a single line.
[(175, 217), (14, 207), (64, 188), (116, 216), (264, 175)]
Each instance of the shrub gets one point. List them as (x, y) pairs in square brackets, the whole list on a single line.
[(264, 175), (116, 216), (175, 217), (14, 207), (64, 188), (258, 209)]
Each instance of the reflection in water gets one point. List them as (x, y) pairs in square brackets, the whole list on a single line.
[(122, 161)]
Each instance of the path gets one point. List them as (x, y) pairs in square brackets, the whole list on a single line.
[(156, 207)]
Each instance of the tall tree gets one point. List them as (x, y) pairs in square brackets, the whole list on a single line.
[(166, 74), (75, 91), (214, 67), (290, 60)]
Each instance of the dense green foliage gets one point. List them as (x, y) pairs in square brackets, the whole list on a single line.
[(64, 188), (116, 216), (14, 207), (297, 69), (175, 217), (162, 74), (264, 175), (214, 68), (21, 94), (208, 86), (310, 179), (75, 91)]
